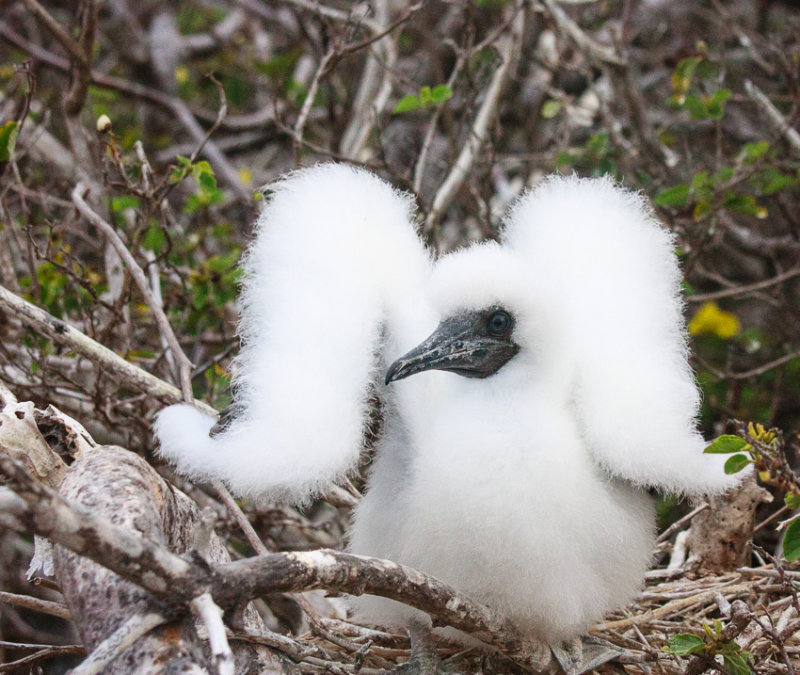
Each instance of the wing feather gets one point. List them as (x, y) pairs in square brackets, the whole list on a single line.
[(606, 263), (336, 267)]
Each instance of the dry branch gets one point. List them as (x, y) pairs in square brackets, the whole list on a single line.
[(62, 333), (509, 49)]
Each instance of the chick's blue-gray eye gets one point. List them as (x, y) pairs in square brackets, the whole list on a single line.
[(499, 322)]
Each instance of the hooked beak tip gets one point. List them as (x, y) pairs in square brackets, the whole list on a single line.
[(392, 373)]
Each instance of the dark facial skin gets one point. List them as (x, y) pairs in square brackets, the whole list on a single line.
[(472, 344)]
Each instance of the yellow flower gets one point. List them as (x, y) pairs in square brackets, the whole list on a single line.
[(181, 74), (711, 320), (245, 175)]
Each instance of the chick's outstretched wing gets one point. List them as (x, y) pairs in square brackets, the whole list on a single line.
[(333, 277), (608, 269)]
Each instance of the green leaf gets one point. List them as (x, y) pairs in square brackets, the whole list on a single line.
[(792, 500), (737, 663), (682, 77), (772, 180), (441, 93), (696, 107), (726, 445), (746, 204), (123, 203), (551, 108), (407, 104), (736, 463), (154, 239), (715, 106), (755, 151), (180, 172), (683, 644), (425, 96), (791, 541), (8, 139), (675, 197)]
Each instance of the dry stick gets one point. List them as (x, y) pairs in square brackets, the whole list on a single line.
[(369, 104), (62, 333), (422, 160), (211, 616), (185, 366), (36, 605), (743, 290), (48, 652), (129, 632), (679, 523), (584, 42), (82, 70), (480, 128), (670, 608), (322, 69), (65, 40), (760, 99), (329, 13), (176, 581)]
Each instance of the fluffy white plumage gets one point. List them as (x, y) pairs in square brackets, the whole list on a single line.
[(523, 489)]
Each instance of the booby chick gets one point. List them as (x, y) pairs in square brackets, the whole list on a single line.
[(518, 437)]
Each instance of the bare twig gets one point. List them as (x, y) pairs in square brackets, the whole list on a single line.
[(74, 49), (744, 290), (774, 115), (128, 633), (164, 327), (82, 70), (49, 652), (681, 522), (63, 333), (36, 605), (509, 53), (299, 125), (211, 616), (593, 49)]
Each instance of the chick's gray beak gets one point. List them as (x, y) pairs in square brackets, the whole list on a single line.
[(459, 345)]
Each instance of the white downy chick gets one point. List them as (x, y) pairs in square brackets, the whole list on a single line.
[(518, 476)]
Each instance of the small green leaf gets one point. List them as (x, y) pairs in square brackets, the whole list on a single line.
[(154, 239), (180, 172), (791, 541), (737, 663), (792, 500), (715, 106), (551, 108), (736, 463), (675, 197), (746, 204), (407, 104), (682, 77), (755, 151), (8, 139), (425, 97), (441, 93), (725, 445), (683, 644), (696, 107), (123, 203)]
